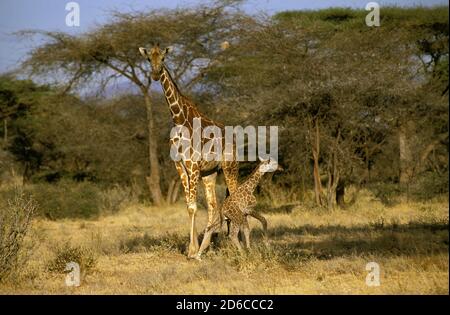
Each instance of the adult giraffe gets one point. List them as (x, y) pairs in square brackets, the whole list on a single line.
[(183, 113)]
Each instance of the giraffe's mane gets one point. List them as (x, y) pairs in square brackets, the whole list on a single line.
[(253, 173), (191, 103), (172, 80)]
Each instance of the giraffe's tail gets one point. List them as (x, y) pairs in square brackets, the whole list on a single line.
[(184, 168), (228, 227)]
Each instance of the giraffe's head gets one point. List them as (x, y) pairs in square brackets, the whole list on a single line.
[(269, 165), (156, 58)]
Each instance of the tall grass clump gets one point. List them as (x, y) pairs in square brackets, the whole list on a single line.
[(15, 221), (68, 253)]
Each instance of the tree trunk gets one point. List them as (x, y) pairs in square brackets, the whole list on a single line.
[(26, 174), (172, 192), (175, 192), (366, 149), (317, 184), (315, 152), (340, 193), (405, 157), (302, 187), (5, 130), (153, 180), (333, 179), (333, 174)]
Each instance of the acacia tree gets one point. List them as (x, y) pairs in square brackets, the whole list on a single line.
[(109, 53), (336, 87), (16, 98)]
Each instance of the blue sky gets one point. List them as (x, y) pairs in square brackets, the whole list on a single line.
[(16, 15)]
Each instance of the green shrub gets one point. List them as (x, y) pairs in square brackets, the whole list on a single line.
[(387, 193), (429, 185), (115, 198), (67, 199)]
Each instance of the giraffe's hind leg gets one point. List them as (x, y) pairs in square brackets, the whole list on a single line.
[(246, 230), (234, 231), (260, 218), (214, 217), (209, 184), (263, 221)]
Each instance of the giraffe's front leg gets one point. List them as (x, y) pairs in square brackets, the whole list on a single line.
[(207, 239), (192, 211), (189, 179), (193, 236)]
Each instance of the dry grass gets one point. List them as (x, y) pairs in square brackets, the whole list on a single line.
[(15, 218), (141, 250)]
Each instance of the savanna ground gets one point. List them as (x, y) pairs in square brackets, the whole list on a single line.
[(142, 250)]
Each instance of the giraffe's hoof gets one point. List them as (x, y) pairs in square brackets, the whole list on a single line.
[(192, 252), (192, 255)]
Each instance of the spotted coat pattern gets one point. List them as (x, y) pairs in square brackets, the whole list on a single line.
[(239, 205), (183, 112)]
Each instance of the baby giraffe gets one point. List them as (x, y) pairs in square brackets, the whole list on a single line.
[(239, 205)]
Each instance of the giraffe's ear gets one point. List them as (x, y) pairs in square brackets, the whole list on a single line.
[(143, 51), (168, 50)]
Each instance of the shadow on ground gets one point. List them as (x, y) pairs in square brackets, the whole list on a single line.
[(172, 242), (292, 245)]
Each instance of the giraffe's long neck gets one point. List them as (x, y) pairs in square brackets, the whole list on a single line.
[(173, 97), (252, 181)]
